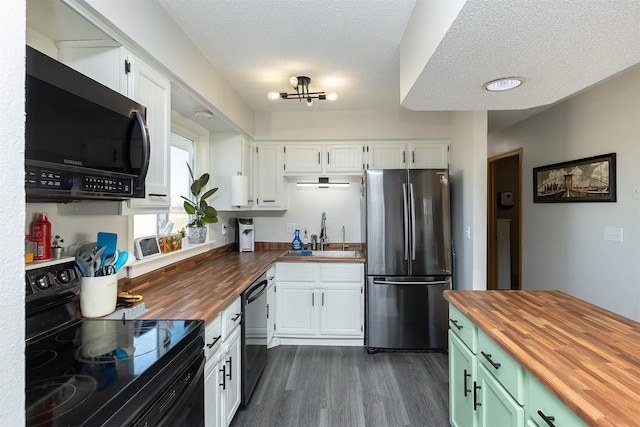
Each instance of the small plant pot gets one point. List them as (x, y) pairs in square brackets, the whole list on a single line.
[(197, 234)]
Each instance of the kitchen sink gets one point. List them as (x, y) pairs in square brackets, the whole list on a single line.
[(322, 254)]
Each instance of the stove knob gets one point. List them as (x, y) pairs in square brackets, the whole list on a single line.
[(43, 282), (64, 276)]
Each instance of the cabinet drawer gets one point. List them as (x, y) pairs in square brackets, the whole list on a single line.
[(212, 336), (506, 370), (463, 328), (542, 403), (342, 273), (231, 317), (296, 272)]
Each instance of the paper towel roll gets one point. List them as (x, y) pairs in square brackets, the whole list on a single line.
[(239, 190)]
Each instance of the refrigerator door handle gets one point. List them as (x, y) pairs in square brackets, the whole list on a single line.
[(413, 223), (406, 222), (392, 282)]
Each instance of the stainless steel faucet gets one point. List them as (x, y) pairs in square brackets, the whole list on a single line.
[(344, 243), (323, 230)]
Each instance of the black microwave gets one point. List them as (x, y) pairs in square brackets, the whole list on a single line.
[(83, 140)]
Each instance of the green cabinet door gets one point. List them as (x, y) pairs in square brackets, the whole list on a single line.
[(497, 407), (462, 374)]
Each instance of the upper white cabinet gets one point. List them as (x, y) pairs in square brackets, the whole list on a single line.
[(344, 158), (153, 90), (118, 69), (269, 189), (413, 155), (302, 158), (231, 154), (323, 158)]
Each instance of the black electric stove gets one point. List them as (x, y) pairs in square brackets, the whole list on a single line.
[(106, 372)]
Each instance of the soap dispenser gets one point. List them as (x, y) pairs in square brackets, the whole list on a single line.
[(297, 244)]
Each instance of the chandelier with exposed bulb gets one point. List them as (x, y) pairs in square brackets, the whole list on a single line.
[(301, 85)]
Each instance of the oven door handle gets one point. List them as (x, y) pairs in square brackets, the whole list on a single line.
[(255, 291)]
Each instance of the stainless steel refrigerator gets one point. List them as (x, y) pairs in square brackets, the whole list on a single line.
[(408, 258)]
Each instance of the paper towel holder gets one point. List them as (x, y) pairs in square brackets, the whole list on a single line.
[(239, 190)]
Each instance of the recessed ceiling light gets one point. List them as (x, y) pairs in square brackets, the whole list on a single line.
[(505, 83)]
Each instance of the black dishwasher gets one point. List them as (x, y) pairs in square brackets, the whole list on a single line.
[(254, 335)]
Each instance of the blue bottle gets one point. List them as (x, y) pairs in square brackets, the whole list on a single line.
[(297, 243)]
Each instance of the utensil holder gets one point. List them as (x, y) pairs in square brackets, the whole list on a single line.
[(98, 295)]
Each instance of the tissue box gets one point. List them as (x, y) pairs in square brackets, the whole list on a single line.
[(170, 243)]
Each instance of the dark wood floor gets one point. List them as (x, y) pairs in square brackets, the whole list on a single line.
[(346, 386)]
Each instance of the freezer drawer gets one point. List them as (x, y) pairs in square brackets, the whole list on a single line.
[(407, 313)]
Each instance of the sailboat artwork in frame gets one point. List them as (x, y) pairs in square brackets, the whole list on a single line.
[(592, 179)]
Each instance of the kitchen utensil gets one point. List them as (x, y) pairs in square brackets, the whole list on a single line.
[(91, 261), (109, 242), (122, 259)]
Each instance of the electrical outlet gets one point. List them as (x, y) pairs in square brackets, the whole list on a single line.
[(225, 230), (613, 234), (290, 227)]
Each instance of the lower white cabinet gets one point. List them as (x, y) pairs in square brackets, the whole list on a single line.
[(222, 385), (319, 301)]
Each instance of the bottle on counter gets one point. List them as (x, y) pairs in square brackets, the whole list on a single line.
[(305, 240), (297, 243), (41, 235)]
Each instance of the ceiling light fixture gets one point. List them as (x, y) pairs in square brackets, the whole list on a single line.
[(505, 83), (301, 85)]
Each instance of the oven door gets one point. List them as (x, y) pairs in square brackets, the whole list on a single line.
[(254, 335), (182, 404)]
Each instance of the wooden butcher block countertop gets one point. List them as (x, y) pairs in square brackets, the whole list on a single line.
[(588, 357), (201, 286)]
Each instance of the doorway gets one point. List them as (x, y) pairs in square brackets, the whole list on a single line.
[(504, 221)]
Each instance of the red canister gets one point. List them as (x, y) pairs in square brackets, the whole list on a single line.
[(41, 235)]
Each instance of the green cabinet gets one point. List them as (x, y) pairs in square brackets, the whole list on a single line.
[(462, 372), (495, 406), (488, 388), (544, 409)]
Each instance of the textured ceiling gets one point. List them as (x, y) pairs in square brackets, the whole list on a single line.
[(352, 47)]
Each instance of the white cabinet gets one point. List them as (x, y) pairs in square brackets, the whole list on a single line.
[(302, 158), (323, 158), (412, 155), (231, 154), (319, 301), (153, 90), (344, 158), (222, 386), (269, 189), (271, 298), (118, 69)]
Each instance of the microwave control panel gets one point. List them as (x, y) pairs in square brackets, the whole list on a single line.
[(77, 183)]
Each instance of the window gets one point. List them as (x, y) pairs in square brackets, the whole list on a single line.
[(182, 152)]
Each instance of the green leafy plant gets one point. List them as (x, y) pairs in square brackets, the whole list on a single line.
[(202, 211)]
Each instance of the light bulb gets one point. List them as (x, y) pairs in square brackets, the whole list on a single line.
[(332, 96), (293, 81), (309, 102), (273, 95)]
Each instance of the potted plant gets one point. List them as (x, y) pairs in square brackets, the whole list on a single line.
[(202, 212)]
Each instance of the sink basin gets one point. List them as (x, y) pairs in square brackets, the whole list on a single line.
[(322, 254)]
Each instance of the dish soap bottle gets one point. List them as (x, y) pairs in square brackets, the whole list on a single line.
[(305, 240), (297, 244)]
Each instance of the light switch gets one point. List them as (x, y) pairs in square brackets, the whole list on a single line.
[(467, 232)]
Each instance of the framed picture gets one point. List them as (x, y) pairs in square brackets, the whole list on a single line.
[(592, 179)]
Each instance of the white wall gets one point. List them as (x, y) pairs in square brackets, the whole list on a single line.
[(341, 125), (12, 70), (468, 175), (342, 206), (563, 243)]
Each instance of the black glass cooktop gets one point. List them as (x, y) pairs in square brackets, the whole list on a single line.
[(87, 372)]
